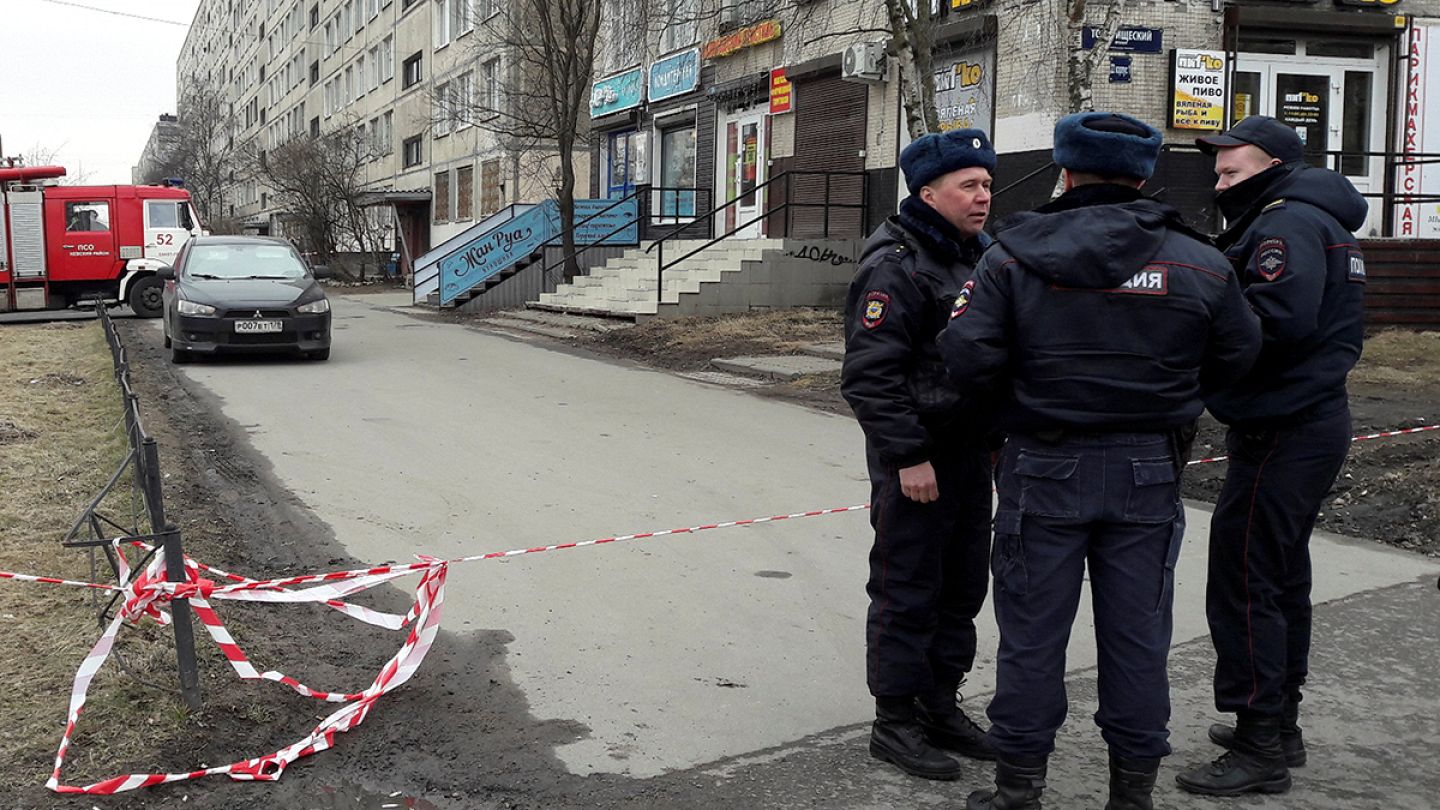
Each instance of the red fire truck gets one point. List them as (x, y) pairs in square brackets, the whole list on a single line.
[(67, 246)]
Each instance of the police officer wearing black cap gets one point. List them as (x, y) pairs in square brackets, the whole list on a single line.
[(928, 462), (1290, 239), (1101, 319)]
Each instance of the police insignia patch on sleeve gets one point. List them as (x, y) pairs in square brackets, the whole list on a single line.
[(877, 306), (1270, 258), (962, 301)]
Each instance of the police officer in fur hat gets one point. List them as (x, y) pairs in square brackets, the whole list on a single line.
[(928, 461), (1100, 319)]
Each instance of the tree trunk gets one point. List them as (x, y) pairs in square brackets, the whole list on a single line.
[(566, 198)]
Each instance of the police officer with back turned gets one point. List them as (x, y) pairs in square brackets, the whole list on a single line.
[(1290, 239), (928, 463), (1101, 319)]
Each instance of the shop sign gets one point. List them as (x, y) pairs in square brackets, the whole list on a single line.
[(1368, 3), (966, 5), (619, 92), (782, 95), (1127, 38), (1197, 94), (1422, 135), (675, 75), (1302, 103), (756, 34), (965, 89), (1119, 70)]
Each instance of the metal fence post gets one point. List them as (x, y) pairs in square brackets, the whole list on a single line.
[(174, 572)]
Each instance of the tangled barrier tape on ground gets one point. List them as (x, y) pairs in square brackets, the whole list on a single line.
[(147, 591)]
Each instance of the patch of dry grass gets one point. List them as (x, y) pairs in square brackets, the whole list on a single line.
[(1400, 357), (60, 440), (692, 342)]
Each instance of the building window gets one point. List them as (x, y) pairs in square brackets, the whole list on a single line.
[(315, 127), (442, 196), (314, 72), (387, 133), (485, 9), (443, 109), (314, 16), (680, 25), (463, 100), (387, 59), (464, 193), (411, 149), (491, 188), (489, 100), (410, 71)]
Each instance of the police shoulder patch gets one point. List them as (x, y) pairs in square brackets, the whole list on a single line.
[(1270, 256), (1356, 271), (1273, 205), (877, 306), (962, 300)]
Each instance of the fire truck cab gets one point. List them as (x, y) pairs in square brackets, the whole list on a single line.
[(68, 246)]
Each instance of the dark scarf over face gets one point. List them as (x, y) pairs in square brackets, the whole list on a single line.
[(943, 237), (1242, 202)]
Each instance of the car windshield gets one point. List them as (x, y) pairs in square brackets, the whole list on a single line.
[(243, 261)]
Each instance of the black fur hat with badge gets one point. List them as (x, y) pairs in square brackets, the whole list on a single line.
[(1107, 144), (939, 153)]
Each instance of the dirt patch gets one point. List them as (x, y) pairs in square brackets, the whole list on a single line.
[(1388, 491), (11, 432), (459, 735)]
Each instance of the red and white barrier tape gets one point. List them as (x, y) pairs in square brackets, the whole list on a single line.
[(1365, 438), (149, 590)]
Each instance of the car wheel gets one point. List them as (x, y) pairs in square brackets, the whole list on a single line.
[(147, 297), (179, 355), (319, 354)]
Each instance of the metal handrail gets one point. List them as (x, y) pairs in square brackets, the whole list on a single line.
[(576, 225), (661, 265)]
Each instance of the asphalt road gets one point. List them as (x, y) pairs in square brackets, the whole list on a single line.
[(732, 658)]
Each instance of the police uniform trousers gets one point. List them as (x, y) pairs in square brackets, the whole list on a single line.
[(928, 574), (1258, 594), (1110, 502)]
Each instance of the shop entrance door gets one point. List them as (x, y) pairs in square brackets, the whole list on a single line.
[(746, 156), (1336, 105)]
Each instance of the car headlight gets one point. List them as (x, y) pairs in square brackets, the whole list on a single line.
[(192, 308), (315, 307)]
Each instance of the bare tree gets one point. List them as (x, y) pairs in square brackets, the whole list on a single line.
[(540, 103), (205, 157), (912, 26), (317, 184), (41, 155)]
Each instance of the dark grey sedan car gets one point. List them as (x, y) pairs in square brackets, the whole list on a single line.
[(232, 294)]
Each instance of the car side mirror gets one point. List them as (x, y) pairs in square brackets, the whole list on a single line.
[(320, 271), (165, 272)]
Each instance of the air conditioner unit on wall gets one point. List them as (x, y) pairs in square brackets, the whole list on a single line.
[(863, 62)]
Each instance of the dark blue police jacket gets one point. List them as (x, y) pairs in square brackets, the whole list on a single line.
[(1100, 312), (911, 270), (1304, 274)]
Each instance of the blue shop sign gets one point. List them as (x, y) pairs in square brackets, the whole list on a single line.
[(619, 92), (675, 75), (1127, 38), (1119, 70)]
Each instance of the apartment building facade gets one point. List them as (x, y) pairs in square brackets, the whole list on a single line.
[(402, 75), (750, 90)]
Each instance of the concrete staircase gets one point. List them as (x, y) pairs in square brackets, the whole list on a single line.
[(625, 285)]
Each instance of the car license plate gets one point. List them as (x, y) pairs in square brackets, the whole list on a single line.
[(259, 326)]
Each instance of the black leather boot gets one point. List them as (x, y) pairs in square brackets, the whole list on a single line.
[(1019, 781), (898, 739), (1131, 783), (948, 727), (1255, 763), (1292, 744)]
